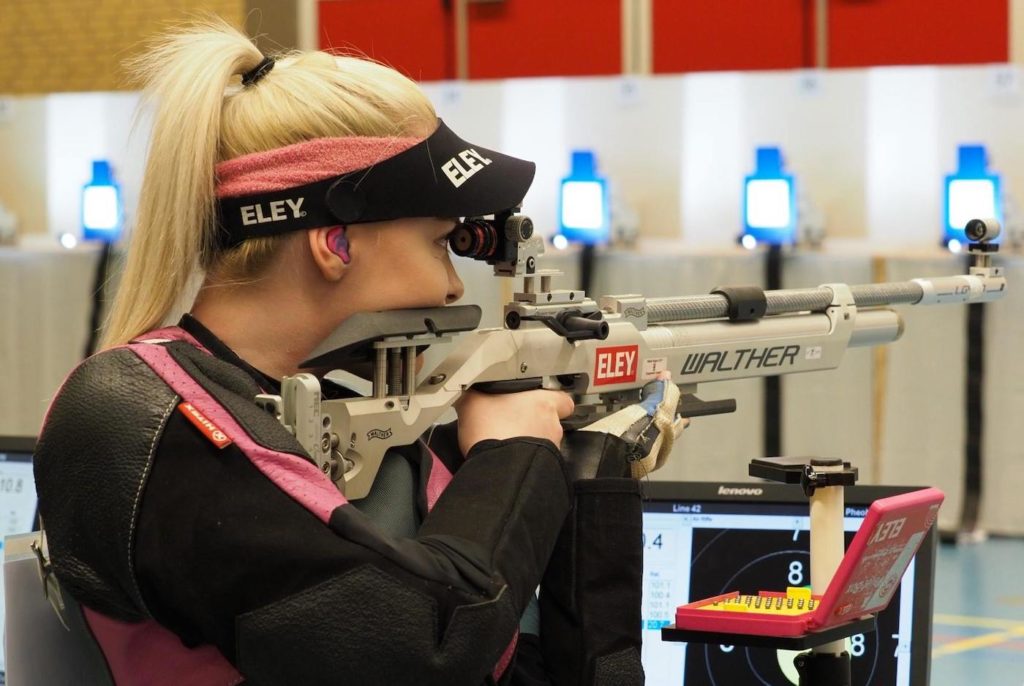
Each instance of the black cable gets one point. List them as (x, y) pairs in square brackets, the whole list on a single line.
[(773, 384), (587, 260), (96, 310), (973, 407)]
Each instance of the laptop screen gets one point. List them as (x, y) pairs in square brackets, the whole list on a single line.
[(17, 504), (706, 539)]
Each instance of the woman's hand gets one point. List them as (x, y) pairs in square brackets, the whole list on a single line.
[(484, 416), (650, 427)]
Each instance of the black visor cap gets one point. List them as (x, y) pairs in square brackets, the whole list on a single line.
[(441, 176)]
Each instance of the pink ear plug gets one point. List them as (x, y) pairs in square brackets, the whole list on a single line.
[(337, 243)]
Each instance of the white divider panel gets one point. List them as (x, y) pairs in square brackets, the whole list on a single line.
[(714, 158), (1002, 448), (830, 414), (44, 307), (903, 174), (923, 440)]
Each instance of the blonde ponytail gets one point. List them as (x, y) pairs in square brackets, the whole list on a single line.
[(204, 115)]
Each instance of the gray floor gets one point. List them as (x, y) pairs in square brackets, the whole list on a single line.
[(979, 615)]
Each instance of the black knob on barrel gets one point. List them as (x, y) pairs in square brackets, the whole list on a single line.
[(595, 329)]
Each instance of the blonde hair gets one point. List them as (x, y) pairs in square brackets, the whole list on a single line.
[(203, 115)]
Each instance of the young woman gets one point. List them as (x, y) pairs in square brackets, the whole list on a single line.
[(202, 543)]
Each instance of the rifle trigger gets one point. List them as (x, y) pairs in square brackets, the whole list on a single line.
[(692, 406)]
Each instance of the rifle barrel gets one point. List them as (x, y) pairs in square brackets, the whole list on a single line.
[(687, 308)]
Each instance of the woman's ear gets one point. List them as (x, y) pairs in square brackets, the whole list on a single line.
[(330, 249)]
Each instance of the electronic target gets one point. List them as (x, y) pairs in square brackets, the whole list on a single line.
[(703, 540)]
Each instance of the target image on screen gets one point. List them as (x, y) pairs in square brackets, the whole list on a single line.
[(704, 544)]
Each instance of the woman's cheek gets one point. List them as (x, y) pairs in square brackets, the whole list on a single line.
[(425, 288)]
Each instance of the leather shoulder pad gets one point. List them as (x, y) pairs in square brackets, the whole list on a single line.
[(91, 463)]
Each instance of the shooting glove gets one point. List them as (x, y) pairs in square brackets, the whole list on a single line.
[(649, 427)]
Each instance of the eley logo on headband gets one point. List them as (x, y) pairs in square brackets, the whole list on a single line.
[(275, 211), (459, 174)]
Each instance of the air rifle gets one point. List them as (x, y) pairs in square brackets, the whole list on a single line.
[(602, 352)]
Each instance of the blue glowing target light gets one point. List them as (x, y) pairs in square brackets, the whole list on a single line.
[(769, 202), (583, 211), (972, 192), (102, 213)]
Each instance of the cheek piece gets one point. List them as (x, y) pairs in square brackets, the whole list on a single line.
[(337, 243)]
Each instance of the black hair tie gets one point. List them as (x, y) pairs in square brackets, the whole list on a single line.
[(258, 72)]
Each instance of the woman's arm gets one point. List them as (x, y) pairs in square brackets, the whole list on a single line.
[(591, 592), (224, 556), (590, 596)]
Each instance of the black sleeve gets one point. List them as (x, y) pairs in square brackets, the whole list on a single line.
[(529, 668), (591, 592), (225, 557)]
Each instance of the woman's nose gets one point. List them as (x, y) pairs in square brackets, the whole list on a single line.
[(456, 289)]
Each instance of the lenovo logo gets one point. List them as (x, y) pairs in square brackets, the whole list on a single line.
[(461, 167), (276, 211), (727, 490), (615, 365)]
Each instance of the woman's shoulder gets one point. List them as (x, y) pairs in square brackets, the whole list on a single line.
[(112, 380), (112, 394), (130, 374)]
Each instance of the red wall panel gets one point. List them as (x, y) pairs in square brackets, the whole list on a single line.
[(714, 35), (544, 38), (511, 38), (413, 36), (877, 32)]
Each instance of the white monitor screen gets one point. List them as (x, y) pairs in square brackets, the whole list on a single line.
[(99, 207), (970, 199), (695, 550), (17, 512), (768, 204), (583, 205)]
